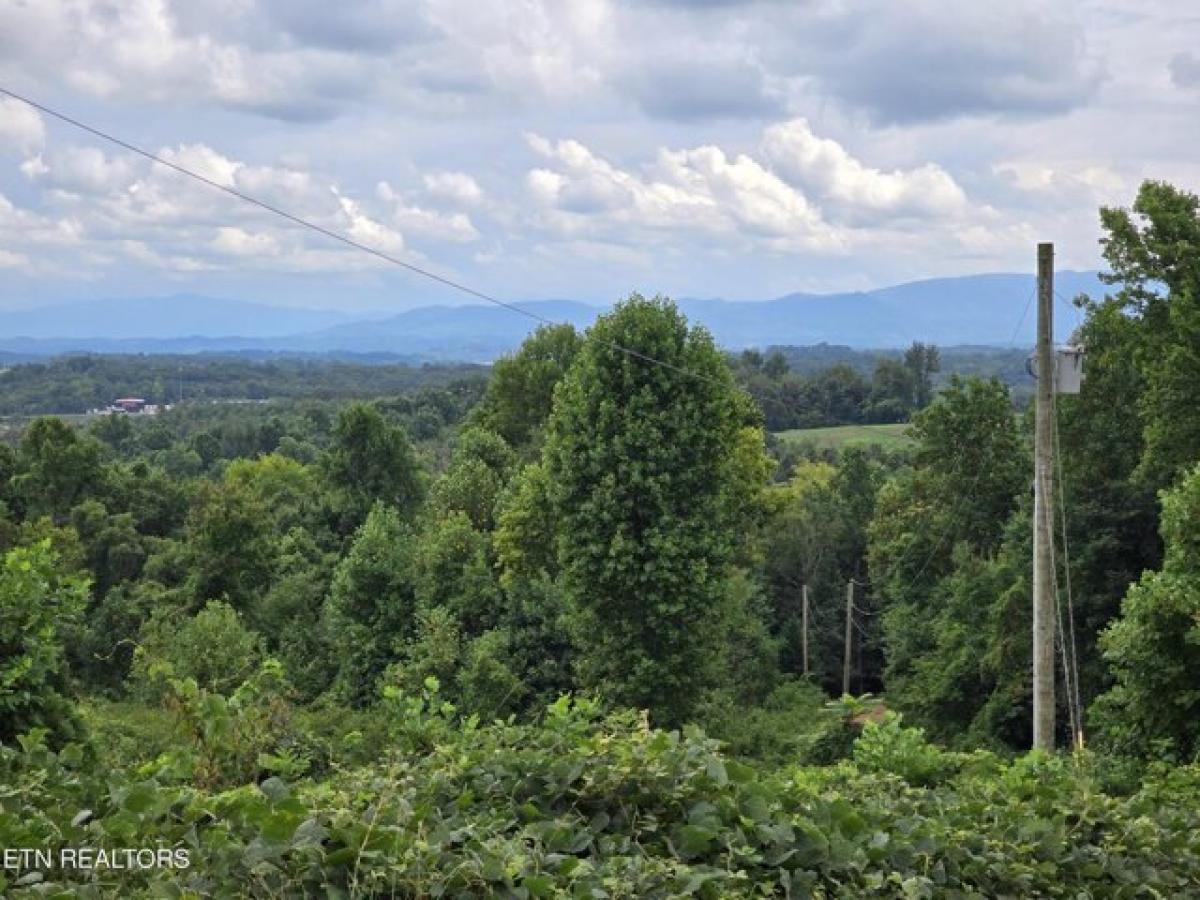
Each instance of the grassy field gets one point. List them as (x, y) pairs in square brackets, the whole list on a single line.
[(889, 436)]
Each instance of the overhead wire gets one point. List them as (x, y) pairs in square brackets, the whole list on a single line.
[(330, 233), (1075, 698)]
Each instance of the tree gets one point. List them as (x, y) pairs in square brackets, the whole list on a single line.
[(641, 460), (775, 366), (526, 530), (935, 528), (454, 571), (482, 464), (892, 392), (56, 468), (802, 550), (1153, 250), (372, 603), (227, 544), (922, 361), (519, 394), (35, 605), (970, 443), (1112, 514), (371, 461), (1154, 647), (289, 615)]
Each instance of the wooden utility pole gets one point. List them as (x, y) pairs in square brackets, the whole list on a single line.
[(804, 625), (1043, 497), (849, 626)]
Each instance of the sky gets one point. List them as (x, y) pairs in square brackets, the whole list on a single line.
[(578, 149)]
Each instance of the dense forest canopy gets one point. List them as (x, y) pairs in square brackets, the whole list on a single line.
[(576, 626)]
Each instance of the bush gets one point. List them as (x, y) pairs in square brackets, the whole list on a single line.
[(790, 728), (35, 605), (212, 648), (888, 746)]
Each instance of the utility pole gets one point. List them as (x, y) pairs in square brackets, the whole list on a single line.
[(1043, 499), (849, 627), (804, 625)]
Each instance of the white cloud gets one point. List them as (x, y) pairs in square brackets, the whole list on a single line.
[(764, 145), (804, 193), (456, 187), (234, 241), (456, 227), (10, 260), (853, 189), (21, 126), (1065, 183), (698, 191), (160, 218)]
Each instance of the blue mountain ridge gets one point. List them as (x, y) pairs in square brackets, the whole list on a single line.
[(984, 310)]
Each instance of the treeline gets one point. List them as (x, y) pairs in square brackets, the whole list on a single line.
[(839, 394), (76, 384)]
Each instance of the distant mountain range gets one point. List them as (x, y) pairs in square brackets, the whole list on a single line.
[(985, 310)]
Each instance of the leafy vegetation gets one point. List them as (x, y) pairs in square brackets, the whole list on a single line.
[(573, 630)]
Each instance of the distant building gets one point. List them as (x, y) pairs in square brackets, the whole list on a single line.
[(129, 405)]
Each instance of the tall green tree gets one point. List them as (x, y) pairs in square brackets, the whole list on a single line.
[(372, 461), (935, 527), (520, 392), (642, 460), (56, 468), (1154, 647), (922, 361), (1153, 251), (372, 603)]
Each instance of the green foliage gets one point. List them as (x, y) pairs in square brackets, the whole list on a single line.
[(789, 727), (932, 548), (1152, 250), (372, 603), (1112, 515), (227, 548), (75, 384), (817, 537), (642, 473), (289, 616), (226, 740), (482, 464), (454, 571), (887, 746), (36, 603), (372, 462), (1154, 647), (56, 468), (525, 534), (579, 805), (434, 651), (518, 398), (490, 681), (830, 387), (213, 648)]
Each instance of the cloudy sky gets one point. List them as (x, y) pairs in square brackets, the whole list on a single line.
[(579, 148)]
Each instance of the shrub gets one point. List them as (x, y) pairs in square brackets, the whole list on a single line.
[(212, 648), (35, 604)]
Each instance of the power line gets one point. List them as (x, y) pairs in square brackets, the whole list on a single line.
[(329, 233), (1021, 321), (1075, 700)]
